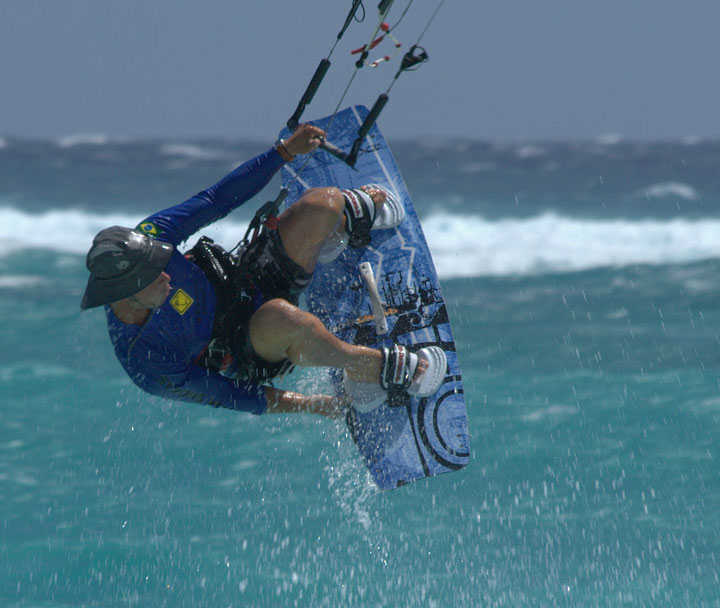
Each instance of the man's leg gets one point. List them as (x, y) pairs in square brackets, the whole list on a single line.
[(279, 330), (306, 224)]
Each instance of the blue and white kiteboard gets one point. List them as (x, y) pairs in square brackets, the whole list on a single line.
[(418, 437)]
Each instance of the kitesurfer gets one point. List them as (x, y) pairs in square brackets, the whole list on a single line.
[(214, 328)]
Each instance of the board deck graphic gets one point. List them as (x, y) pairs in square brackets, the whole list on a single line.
[(418, 437)]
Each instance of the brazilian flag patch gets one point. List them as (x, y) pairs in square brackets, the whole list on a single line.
[(149, 228), (181, 301)]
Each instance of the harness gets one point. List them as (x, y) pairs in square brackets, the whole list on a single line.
[(220, 268), (229, 352), (234, 293)]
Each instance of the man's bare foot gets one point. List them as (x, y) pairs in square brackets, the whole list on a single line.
[(378, 196)]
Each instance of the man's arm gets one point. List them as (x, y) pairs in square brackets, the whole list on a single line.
[(176, 224), (198, 385), (288, 402)]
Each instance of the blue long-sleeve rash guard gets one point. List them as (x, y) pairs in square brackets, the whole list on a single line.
[(160, 356)]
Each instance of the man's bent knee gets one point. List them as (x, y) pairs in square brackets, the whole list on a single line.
[(271, 328), (306, 224), (323, 200)]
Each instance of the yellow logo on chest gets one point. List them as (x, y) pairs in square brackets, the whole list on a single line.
[(181, 301)]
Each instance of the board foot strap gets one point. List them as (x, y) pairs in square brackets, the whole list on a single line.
[(360, 214)]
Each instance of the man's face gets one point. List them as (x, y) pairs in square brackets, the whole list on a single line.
[(154, 294)]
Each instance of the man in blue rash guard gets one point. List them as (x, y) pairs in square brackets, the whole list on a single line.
[(211, 328)]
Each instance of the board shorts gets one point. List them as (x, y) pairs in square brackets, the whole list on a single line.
[(261, 271)]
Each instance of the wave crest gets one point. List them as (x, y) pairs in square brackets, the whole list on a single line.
[(472, 246), (461, 245)]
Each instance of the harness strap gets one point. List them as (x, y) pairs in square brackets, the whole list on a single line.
[(218, 266), (265, 216)]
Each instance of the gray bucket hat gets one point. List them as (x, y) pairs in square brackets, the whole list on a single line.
[(122, 261)]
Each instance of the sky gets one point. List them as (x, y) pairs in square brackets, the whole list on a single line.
[(499, 70)]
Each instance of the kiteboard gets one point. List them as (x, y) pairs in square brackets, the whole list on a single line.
[(386, 293)]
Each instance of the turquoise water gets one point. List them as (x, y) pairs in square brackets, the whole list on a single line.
[(588, 338)]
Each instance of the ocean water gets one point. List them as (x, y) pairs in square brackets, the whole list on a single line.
[(583, 282)]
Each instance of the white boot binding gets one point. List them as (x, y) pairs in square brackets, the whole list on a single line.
[(399, 367), (391, 213), (400, 364), (361, 216)]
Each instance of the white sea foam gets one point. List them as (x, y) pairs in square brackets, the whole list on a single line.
[(191, 152), (610, 139), (72, 231), (672, 189), (691, 140), (462, 246), (477, 167), (67, 231), (530, 152), (19, 281), (84, 139), (554, 411)]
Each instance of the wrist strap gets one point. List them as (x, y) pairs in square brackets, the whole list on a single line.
[(283, 151)]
